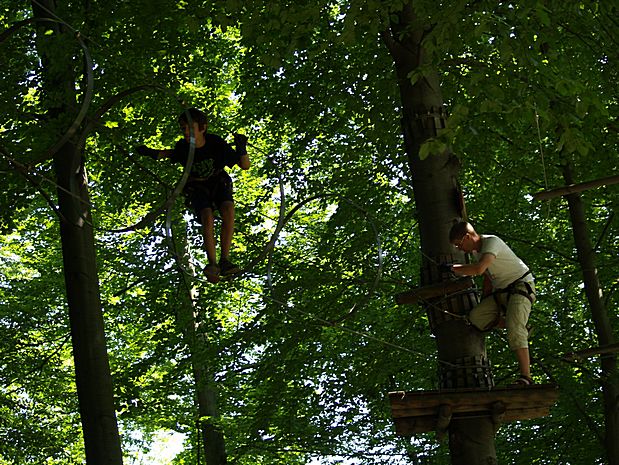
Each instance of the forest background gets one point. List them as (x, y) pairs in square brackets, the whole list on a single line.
[(301, 350)]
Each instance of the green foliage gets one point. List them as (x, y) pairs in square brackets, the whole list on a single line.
[(35, 348), (304, 348)]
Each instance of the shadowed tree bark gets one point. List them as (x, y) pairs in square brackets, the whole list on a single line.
[(213, 440), (599, 313), (461, 348), (92, 371)]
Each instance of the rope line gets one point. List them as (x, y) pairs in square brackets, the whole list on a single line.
[(435, 305), (541, 148), (269, 246)]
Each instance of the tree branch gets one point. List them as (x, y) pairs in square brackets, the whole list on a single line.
[(574, 188)]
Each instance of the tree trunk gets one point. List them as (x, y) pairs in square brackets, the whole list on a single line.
[(461, 348), (92, 370), (212, 437), (603, 328)]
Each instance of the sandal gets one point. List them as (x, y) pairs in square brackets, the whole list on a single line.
[(228, 268), (523, 381), (212, 273)]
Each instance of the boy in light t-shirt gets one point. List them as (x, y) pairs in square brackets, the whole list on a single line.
[(513, 289)]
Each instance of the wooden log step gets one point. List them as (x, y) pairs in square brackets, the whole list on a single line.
[(430, 291), (418, 411)]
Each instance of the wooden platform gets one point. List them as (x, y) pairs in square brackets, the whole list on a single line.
[(422, 411), (435, 290)]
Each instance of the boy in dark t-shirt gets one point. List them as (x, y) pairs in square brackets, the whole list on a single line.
[(209, 186)]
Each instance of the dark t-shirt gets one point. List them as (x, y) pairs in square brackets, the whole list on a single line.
[(209, 160)]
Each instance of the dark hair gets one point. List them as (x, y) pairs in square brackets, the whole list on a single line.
[(458, 230), (197, 116)]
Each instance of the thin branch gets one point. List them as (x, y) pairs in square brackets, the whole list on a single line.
[(15, 27), (604, 231), (108, 104), (546, 248), (574, 188), (586, 353), (23, 170)]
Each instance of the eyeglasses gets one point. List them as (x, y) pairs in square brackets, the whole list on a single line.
[(458, 245)]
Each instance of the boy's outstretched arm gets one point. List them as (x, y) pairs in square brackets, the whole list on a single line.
[(240, 142), (154, 153)]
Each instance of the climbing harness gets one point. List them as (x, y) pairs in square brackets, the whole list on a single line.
[(512, 289)]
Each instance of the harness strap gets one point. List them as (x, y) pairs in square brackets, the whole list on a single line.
[(511, 289), (513, 283)]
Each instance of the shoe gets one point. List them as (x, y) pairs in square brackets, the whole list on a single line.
[(212, 272), (227, 267), (523, 381)]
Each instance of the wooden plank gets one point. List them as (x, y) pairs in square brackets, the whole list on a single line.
[(418, 411), (510, 411), (409, 426), (434, 290), (574, 188), (471, 400)]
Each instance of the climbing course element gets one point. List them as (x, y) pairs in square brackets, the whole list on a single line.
[(423, 411)]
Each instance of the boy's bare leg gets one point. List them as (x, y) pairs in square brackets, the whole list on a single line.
[(523, 361), (208, 233), (227, 228)]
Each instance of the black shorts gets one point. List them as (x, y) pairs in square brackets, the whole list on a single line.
[(201, 195)]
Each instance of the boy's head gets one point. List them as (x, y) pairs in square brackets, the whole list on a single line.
[(459, 234), (199, 122)]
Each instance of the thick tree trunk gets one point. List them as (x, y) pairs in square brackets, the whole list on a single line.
[(213, 440), (92, 370), (461, 348), (599, 313)]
